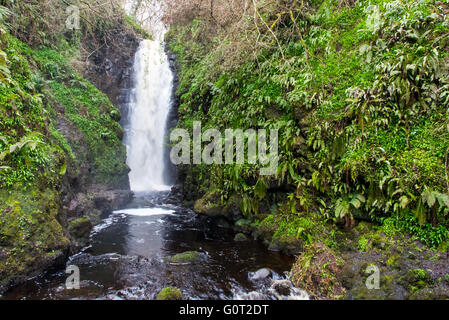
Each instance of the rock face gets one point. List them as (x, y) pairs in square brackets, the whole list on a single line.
[(80, 229), (110, 69), (69, 210)]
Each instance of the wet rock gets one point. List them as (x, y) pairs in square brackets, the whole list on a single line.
[(170, 293), (175, 196), (282, 287), (107, 201), (210, 205), (186, 257), (239, 237), (260, 274), (96, 202), (223, 223)]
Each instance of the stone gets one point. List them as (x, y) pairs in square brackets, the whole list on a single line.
[(260, 274)]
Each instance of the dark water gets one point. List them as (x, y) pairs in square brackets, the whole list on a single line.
[(127, 259)]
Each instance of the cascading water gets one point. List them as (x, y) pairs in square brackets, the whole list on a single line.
[(148, 112), (127, 257)]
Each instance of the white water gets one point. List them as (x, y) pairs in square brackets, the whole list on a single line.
[(145, 136), (145, 212)]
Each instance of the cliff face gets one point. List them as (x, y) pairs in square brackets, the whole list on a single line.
[(62, 161), (110, 68)]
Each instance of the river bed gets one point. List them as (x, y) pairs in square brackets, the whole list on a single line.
[(127, 258)]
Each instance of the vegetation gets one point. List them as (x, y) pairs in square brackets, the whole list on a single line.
[(170, 293), (359, 91), (55, 126)]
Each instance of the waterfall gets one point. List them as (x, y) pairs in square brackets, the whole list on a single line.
[(145, 134)]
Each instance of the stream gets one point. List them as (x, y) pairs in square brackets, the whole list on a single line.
[(126, 259), (127, 254)]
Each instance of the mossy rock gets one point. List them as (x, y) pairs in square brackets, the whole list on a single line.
[(186, 257), (231, 209), (211, 205), (364, 227), (288, 244), (243, 225), (80, 228), (169, 293), (351, 275), (363, 293), (438, 293), (240, 237), (417, 278), (266, 229), (381, 241)]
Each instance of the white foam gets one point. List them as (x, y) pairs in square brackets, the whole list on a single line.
[(145, 212)]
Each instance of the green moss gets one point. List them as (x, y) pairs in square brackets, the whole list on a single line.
[(363, 244), (393, 260), (170, 293), (239, 237), (185, 257), (30, 232), (140, 31), (417, 279), (210, 204)]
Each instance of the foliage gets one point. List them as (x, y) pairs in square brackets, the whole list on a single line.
[(359, 92)]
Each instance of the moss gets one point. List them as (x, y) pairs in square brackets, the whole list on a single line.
[(209, 204), (80, 228), (437, 293), (416, 279), (239, 237), (288, 244), (140, 31), (243, 225), (364, 227), (186, 257), (394, 260), (30, 233), (169, 293), (364, 244)]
